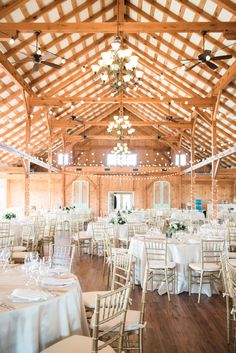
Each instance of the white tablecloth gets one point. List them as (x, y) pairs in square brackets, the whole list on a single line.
[(181, 253), (187, 215), (32, 327)]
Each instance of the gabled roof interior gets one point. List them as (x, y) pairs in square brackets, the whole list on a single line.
[(159, 53)]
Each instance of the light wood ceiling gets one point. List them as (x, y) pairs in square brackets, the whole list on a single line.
[(159, 53)]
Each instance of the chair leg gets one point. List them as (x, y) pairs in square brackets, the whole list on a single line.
[(140, 341), (189, 281), (167, 284), (228, 319), (200, 288)]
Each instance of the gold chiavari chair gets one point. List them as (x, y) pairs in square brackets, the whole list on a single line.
[(208, 270), (62, 256), (110, 309), (6, 240), (158, 267), (120, 277)]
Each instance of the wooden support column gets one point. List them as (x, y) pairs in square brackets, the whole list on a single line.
[(180, 192), (214, 162), (63, 175), (26, 163), (99, 196), (193, 178), (49, 123)]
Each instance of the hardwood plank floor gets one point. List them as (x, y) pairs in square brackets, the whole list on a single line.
[(179, 326)]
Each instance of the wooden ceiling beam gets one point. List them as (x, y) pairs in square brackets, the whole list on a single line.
[(225, 80), (63, 125), (209, 160), (15, 76), (189, 101), (26, 156), (126, 27), (5, 10), (228, 5)]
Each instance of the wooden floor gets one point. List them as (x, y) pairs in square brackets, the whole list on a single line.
[(181, 326)]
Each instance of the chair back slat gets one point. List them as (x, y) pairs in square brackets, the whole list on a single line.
[(110, 312)]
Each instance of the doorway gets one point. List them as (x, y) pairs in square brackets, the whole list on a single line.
[(120, 200)]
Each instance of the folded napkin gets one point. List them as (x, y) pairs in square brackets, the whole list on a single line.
[(31, 295), (57, 282)]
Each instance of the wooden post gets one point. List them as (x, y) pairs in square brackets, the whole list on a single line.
[(26, 163), (49, 122), (193, 179), (63, 175), (180, 192), (214, 163)]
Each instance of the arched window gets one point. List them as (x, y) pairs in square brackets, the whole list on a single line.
[(80, 194), (161, 194)]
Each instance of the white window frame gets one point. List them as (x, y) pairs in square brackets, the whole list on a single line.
[(180, 159), (115, 160)]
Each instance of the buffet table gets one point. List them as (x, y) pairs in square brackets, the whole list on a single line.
[(29, 326)]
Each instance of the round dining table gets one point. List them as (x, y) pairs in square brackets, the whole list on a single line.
[(181, 251), (29, 325)]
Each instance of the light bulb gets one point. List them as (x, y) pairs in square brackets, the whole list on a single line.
[(63, 61), (208, 58), (12, 41), (39, 51), (83, 69)]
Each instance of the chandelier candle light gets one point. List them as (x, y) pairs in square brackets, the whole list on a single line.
[(121, 149), (118, 67), (121, 124)]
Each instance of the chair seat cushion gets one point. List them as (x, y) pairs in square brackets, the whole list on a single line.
[(89, 298), (19, 254), (75, 344), (119, 251), (232, 262), (160, 264), (19, 248), (210, 267), (131, 322), (232, 255)]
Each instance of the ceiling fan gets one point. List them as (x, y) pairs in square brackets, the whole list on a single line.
[(206, 57), (169, 117), (37, 58)]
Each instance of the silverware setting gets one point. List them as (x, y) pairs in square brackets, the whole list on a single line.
[(7, 306)]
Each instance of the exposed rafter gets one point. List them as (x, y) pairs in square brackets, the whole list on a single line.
[(126, 27)]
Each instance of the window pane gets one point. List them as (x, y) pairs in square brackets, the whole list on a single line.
[(60, 158), (119, 160)]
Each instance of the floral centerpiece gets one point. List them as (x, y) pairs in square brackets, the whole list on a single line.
[(68, 208), (9, 216), (118, 219), (175, 227)]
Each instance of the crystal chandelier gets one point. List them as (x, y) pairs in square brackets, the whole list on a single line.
[(118, 67), (121, 124), (121, 149)]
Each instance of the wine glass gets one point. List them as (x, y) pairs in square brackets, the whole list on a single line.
[(5, 257)]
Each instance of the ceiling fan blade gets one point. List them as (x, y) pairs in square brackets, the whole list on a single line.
[(221, 57), (23, 61), (211, 65), (191, 67), (51, 64), (48, 56), (35, 67)]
